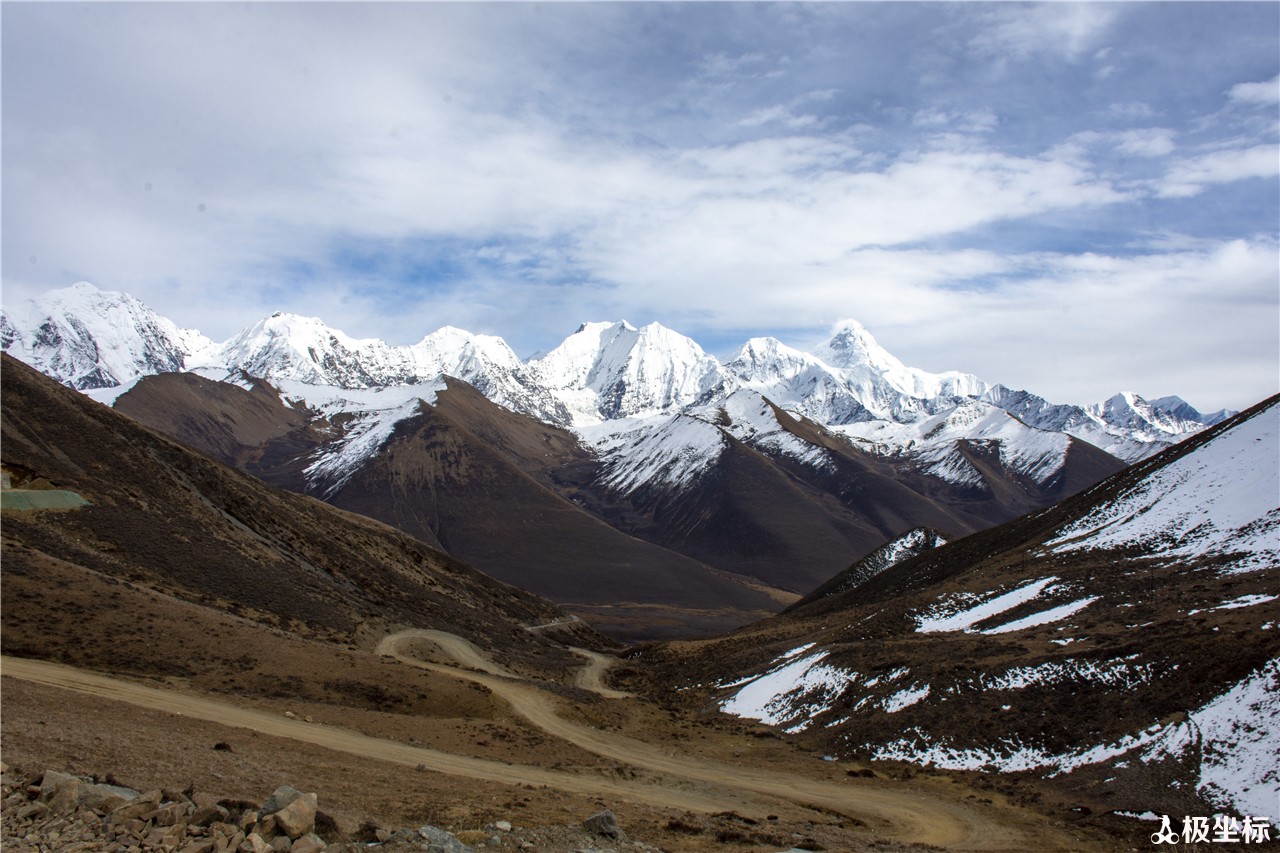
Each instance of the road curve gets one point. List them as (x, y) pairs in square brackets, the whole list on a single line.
[(344, 740), (896, 812), (591, 676)]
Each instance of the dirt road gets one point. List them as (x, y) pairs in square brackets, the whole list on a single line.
[(344, 740), (591, 676), (668, 779), (896, 812)]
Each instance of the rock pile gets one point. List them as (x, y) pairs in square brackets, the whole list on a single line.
[(56, 811), (68, 813)]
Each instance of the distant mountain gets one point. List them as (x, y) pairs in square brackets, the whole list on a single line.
[(489, 486), (86, 338), (1118, 651), (303, 350), (608, 371), (1125, 425), (777, 466)]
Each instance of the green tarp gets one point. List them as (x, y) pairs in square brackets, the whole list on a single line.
[(41, 499)]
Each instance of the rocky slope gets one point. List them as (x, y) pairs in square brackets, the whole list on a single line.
[(56, 810), (1121, 649)]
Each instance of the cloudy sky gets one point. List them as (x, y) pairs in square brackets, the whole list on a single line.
[(1075, 199)]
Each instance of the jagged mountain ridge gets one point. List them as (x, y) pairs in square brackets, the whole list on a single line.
[(86, 338), (604, 371), (1121, 648)]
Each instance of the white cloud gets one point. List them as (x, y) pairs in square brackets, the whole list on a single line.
[(1190, 177), (711, 166), (1069, 30), (975, 121), (1132, 110), (1072, 327), (1256, 93), (1148, 142)]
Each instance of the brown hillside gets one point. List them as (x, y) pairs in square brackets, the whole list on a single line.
[(179, 522)]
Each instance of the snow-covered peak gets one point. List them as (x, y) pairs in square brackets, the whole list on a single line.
[(851, 345), (881, 377), (1125, 426), (458, 352), (1184, 411), (615, 370), (934, 443), (90, 338), (1127, 411), (304, 349), (767, 360)]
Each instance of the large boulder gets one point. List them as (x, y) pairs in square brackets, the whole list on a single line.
[(436, 840), (299, 817), (604, 824), (294, 811)]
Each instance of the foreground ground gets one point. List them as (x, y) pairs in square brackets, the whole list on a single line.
[(530, 753)]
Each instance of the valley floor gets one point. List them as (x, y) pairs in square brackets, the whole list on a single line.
[(561, 757)]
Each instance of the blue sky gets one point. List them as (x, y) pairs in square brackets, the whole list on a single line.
[(1071, 198)]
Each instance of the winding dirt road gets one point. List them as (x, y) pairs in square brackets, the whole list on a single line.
[(895, 812), (679, 781)]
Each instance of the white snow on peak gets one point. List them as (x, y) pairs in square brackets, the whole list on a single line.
[(614, 370), (457, 352), (932, 442), (1138, 418), (797, 381), (1125, 426), (854, 349), (91, 338), (1222, 498), (750, 418), (654, 451), (611, 371)]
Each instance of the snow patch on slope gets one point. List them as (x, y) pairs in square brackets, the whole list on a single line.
[(1045, 617), (662, 451), (375, 413), (1220, 499), (1236, 735), (796, 687), (944, 616), (1121, 672)]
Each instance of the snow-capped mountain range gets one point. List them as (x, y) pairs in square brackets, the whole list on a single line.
[(618, 386)]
